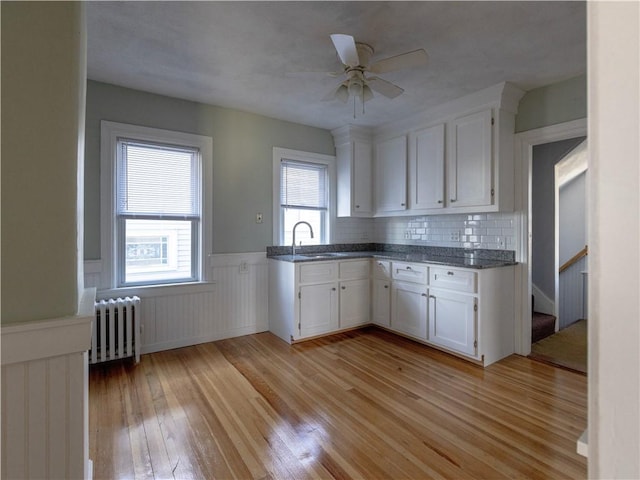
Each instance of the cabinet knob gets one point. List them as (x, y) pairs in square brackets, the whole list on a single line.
[(402, 204), (357, 206), (440, 201), (408, 267), (386, 286), (333, 289), (452, 200), (450, 273), (344, 288), (424, 294)]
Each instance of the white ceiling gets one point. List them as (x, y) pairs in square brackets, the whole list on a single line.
[(243, 55)]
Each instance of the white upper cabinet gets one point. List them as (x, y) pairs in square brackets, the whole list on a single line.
[(391, 175), (470, 162), (426, 168), (354, 153), (454, 158)]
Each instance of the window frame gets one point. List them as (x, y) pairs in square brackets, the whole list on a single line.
[(111, 132), (329, 161)]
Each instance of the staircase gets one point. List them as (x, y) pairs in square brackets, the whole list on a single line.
[(542, 325)]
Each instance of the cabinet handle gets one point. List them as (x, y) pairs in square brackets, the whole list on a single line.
[(343, 287), (432, 296), (386, 286), (440, 201), (333, 289), (402, 204), (424, 294), (450, 273), (357, 206), (452, 200), (408, 267)]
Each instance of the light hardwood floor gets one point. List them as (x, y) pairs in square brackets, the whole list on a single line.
[(364, 404)]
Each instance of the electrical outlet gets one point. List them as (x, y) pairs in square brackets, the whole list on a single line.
[(454, 236), (258, 218), (407, 234), (244, 267)]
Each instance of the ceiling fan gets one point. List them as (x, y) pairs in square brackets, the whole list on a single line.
[(356, 57)]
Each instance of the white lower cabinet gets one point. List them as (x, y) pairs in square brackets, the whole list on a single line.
[(409, 309), (381, 302), (464, 311), (318, 309), (452, 321), (316, 298), (354, 303)]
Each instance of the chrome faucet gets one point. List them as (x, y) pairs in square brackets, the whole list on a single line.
[(293, 247)]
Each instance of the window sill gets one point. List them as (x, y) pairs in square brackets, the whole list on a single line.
[(157, 290)]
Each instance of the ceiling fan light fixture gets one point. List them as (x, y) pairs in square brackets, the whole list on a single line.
[(355, 87)]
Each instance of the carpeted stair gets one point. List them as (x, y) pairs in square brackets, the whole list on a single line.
[(542, 325)]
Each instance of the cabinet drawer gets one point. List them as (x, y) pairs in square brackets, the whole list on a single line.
[(460, 280), (410, 272), (318, 272), (381, 268), (354, 269)]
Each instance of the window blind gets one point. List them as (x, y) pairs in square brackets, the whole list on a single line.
[(157, 180), (303, 185)]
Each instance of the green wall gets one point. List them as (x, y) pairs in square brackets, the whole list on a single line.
[(43, 78), (553, 104), (242, 159)]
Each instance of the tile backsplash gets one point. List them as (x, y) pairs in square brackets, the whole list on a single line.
[(494, 231)]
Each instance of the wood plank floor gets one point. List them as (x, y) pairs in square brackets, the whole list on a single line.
[(360, 405)]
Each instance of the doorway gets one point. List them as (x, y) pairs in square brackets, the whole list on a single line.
[(525, 143), (558, 253)]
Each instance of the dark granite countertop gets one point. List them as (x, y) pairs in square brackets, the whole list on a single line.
[(452, 257)]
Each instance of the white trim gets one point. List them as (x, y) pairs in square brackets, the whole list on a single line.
[(40, 339), (329, 160), (157, 290), (109, 133), (543, 304), (524, 143), (236, 259)]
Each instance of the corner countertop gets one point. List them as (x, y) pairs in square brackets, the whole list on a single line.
[(463, 258)]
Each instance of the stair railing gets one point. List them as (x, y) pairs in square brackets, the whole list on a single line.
[(582, 253)]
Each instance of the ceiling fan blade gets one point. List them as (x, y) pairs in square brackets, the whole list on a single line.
[(383, 87), (417, 58), (346, 48), (316, 74), (341, 93)]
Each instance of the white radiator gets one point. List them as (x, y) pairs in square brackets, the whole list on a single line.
[(116, 330)]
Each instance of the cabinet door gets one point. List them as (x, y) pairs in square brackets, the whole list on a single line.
[(381, 302), (354, 164), (318, 309), (362, 180), (354, 303), (470, 163), (391, 175), (426, 169), (452, 321), (409, 305)]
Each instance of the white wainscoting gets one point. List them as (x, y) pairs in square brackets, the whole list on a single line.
[(45, 396), (233, 303), (572, 293)]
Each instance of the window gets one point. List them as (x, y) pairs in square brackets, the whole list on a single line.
[(157, 215), (302, 192)]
